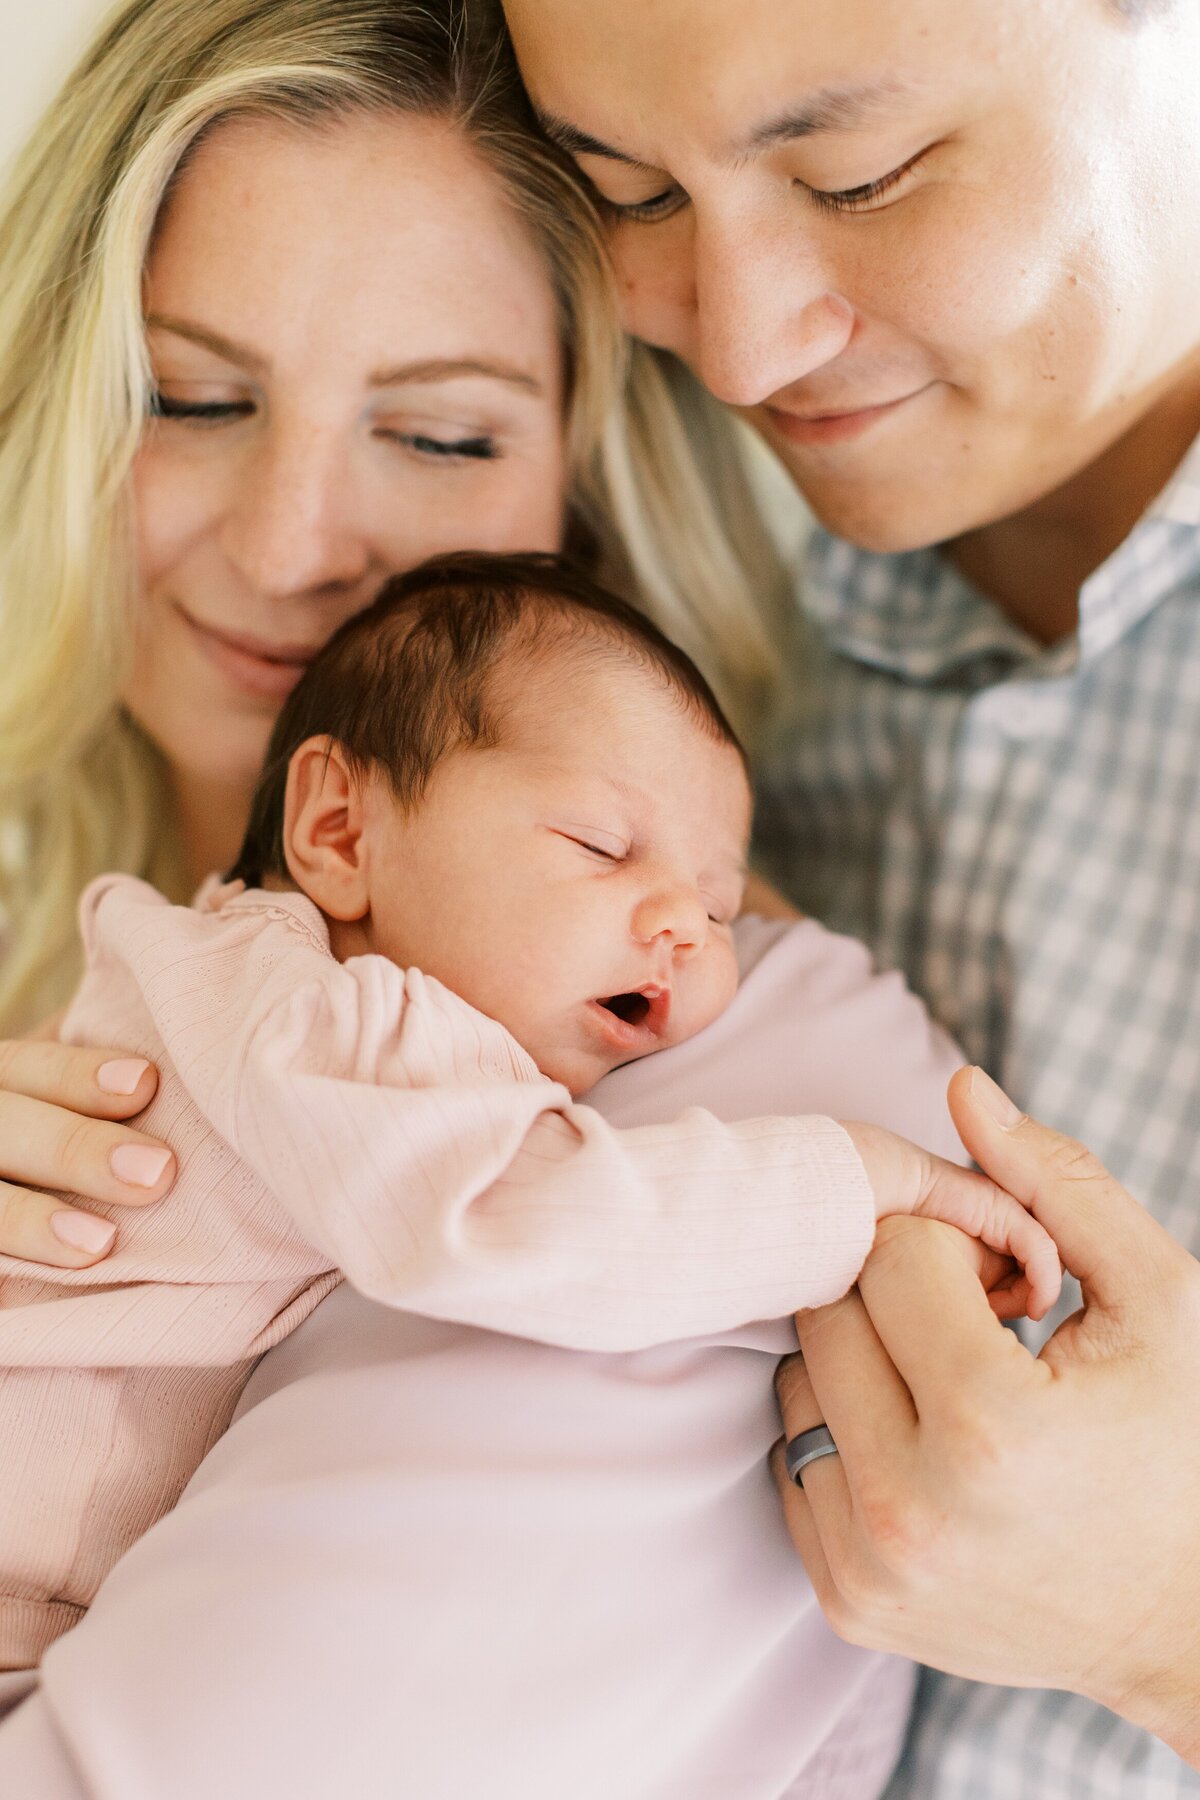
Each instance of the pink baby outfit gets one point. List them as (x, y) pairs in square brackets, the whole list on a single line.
[(427, 1560), (354, 1117)]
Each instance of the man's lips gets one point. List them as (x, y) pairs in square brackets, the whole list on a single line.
[(805, 425), (258, 666)]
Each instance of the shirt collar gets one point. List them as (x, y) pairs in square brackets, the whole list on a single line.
[(914, 615)]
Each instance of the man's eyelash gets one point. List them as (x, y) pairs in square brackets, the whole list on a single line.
[(644, 212), (859, 199)]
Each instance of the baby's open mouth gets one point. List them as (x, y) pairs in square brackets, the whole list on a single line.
[(640, 1010), (633, 1008)]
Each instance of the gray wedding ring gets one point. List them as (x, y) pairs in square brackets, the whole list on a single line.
[(808, 1447)]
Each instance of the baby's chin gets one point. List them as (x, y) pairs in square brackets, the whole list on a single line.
[(577, 1070), (580, 1070)]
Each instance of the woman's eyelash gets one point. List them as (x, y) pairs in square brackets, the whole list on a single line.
[(161, 406), (859, 198), (479, 449), (219, 412)]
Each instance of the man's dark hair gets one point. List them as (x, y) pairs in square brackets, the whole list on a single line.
[(413, 676)]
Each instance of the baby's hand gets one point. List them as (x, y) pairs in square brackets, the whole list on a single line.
[(906, 1179)]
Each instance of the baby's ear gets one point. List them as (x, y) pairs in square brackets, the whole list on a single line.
[(323, 829)]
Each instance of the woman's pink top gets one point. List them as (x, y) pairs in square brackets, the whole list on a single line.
[(355, 1117), (431, 1561)]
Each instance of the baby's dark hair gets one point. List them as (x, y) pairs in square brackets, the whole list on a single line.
[(412, 677)]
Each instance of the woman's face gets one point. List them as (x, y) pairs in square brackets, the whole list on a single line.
[(357, 359)]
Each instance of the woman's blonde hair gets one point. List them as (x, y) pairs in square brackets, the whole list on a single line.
[(659, 494)]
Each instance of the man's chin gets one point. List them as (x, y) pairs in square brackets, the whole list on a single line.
[(892, 503)]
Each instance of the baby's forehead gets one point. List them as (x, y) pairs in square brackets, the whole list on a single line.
[(569, 674)]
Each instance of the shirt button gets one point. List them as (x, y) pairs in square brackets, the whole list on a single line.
[(1020, 715)]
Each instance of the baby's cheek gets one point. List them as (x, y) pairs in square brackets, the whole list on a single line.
[(717, 989)]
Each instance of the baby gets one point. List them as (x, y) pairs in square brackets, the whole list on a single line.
[(496, 851)]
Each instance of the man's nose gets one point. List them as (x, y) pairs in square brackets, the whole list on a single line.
[(673, 916), (292, 524), (766, 314)]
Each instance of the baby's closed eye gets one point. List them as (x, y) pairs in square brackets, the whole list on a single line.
[(604, 844)]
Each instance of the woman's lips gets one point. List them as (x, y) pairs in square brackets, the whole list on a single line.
[(834, 427), (266, 671)]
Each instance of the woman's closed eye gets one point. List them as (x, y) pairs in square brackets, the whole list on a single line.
[(198, 412), (477, 447)]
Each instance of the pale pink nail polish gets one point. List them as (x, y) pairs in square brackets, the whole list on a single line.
[(122, 1075), (82, 1231), (139, 1164), (994, 1101)]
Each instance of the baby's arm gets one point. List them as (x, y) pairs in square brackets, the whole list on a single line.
[(415, 1144)]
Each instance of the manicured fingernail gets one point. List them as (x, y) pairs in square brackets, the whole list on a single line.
[(139, 1164), (994, 1101), (121, 1077), (83, 1232)]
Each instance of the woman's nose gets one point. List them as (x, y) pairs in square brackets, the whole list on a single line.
[(292, 526), (676, 916), (765, 315)]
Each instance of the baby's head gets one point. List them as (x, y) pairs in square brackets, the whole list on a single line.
[(504, 776)]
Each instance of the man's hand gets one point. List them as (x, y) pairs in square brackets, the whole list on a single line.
[(912, 1181), (1028, 1521)]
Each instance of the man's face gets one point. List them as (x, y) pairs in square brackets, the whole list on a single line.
[(941, 253)]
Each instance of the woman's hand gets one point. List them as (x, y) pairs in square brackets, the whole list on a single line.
[(1028, 1521), (58, 1107)]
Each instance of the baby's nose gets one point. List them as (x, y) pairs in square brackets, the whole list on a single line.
[(678, 916)]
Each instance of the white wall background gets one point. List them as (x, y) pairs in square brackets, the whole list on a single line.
[(39, 40)]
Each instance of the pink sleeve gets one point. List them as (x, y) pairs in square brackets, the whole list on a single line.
[(414, 1144)]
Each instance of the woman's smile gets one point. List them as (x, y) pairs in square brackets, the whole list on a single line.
[(266, 670)]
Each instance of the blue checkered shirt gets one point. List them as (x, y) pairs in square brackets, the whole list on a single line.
[(1018, 830)]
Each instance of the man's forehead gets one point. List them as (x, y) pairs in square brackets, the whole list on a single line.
[(626, 74)]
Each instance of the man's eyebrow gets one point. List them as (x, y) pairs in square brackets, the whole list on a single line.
[(844, 108), (226, 348), (568, 137), (453, 368), (835, 108)]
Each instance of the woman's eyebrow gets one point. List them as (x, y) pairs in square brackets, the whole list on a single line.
[(226, 348), (442, 368)]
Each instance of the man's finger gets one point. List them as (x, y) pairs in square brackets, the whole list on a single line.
[(1101, 1232), (804, 1533), (921, 1290), (848, 1381)]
